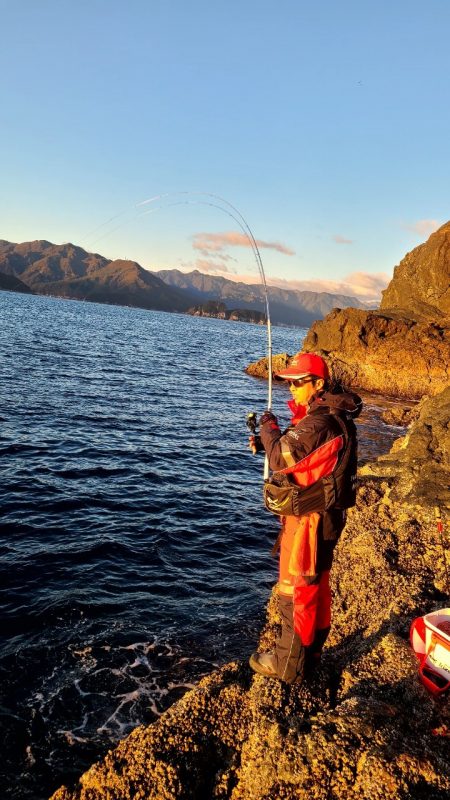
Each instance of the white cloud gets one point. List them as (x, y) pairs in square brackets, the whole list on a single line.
[(341, 239), (367, 286), (216, 242), (423, 227)]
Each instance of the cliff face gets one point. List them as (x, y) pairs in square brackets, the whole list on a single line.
[(383, 352), (403, 349), (364, 727), (421, 283)]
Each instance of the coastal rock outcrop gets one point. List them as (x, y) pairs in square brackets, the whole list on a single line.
[(385, 353), (403, 415), (363, 727), (403, 349), (260, 369), (219, 310), (377, 352), (421, 283)]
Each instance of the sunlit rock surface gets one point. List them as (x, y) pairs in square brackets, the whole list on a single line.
[(421, 282), (404, 348), (260, 369), (364, 727), (391, 355)]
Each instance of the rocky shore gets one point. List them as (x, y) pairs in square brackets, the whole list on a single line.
[(389, 354), (364, 727), (404, 348)]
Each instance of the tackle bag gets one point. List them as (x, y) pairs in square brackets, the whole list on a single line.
[(430, 639)]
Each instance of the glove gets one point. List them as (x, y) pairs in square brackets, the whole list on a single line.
[(255, 444), (268, 417)]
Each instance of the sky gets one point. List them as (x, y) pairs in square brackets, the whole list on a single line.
[(161, 130)]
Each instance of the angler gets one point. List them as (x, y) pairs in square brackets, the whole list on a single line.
[(314, 463)]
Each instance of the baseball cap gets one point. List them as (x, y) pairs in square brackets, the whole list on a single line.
[(305, 364)]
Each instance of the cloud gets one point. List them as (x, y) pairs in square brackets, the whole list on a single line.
[(211, 267), (423, 227), (367, 286), (218, 255), (341, 239), (216, 242)]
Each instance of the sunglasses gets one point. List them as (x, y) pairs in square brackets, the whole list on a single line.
[(302, 381)]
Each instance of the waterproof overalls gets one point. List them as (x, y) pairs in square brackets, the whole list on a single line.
[(308, 450)]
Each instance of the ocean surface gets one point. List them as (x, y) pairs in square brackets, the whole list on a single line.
[(134, 547)]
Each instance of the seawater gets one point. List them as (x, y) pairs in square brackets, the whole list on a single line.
[(134, 547)]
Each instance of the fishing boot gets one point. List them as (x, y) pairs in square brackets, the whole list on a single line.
[(265, 664), (313, 653)]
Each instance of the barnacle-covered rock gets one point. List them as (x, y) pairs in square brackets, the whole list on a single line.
[(363, 727)]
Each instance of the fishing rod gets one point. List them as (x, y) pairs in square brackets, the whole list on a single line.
[(248, 233), (253, 243), (245, 227), (243, 224)]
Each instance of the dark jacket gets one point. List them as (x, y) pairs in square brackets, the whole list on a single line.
[(319, 426)]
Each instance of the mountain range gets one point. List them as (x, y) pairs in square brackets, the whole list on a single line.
[(287, 307), (70, 271)]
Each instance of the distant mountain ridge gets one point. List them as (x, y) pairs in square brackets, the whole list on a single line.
[(70, 271), (287, 306)]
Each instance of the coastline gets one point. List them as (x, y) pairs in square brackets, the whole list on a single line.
[(365, 727)]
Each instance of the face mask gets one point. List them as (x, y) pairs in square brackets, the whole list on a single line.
[(298, 412)]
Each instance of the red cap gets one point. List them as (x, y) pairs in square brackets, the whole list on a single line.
[(305, 364)]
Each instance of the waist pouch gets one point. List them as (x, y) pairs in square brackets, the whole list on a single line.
[(284, 498)]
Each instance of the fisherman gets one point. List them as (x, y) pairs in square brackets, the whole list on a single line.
[(317, 455)]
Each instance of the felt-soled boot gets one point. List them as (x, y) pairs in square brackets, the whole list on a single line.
[(264, 664)]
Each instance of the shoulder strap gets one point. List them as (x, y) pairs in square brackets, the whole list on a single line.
[(346, 450)]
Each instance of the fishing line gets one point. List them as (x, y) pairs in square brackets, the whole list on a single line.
[(247, 231), (245, 227)]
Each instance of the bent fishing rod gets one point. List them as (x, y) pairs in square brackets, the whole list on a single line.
[(247, 231), (238, 217)]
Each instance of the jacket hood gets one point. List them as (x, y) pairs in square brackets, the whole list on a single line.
[(348, 404)]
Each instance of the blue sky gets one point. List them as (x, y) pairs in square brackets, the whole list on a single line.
[(326, 124)]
